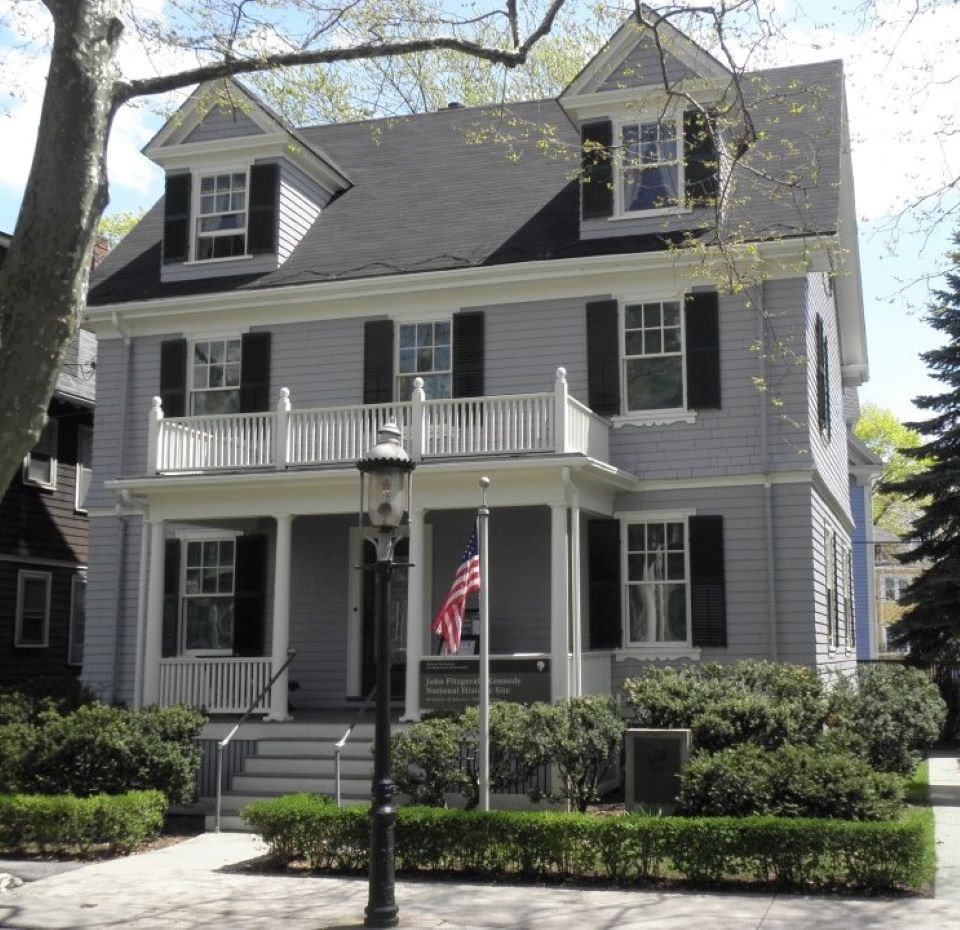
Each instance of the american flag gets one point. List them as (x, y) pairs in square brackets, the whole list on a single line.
[(449, 619)]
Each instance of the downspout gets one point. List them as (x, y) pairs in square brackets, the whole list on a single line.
[(121, 517), (772, 619)]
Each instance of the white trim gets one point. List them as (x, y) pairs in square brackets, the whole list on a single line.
[(205, 535), (654, 417), (652, 516), (78, 505), (657, 653), (52, 424), (22, 576), (78, 579), (52, 563)]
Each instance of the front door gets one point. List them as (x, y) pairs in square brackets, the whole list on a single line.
[(397, 614)]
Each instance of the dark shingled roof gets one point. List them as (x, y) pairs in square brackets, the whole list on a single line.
[(487, 186)]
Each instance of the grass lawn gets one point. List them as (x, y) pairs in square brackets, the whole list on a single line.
[(917, 795)]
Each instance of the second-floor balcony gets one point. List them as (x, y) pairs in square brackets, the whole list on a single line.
[(538, 424)]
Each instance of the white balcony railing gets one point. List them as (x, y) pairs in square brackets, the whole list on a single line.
[(550, 422), (224, 685)]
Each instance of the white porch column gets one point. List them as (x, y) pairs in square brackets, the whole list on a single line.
[(153, 636), (281, 617), (559, 601), (576, 623), (416, 621)]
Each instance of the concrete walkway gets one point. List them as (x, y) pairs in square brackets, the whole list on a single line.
[(195, 885)]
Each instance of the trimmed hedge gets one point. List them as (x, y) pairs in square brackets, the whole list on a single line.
[(630, 849), (68, 824)]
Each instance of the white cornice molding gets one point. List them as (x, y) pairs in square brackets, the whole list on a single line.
[(784, 258)]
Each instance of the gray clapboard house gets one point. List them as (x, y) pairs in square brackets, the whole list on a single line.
[(654, 384)]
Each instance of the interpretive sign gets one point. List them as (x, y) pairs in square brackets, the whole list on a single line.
[(655, 759), (453, 684)]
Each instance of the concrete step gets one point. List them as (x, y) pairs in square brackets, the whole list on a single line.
[(292, 784), (315, 767), (357, 748)]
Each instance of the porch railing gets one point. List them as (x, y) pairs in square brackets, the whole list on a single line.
[(224, 685), (548, 422)]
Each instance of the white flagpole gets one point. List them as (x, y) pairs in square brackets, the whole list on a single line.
[(483, 518)]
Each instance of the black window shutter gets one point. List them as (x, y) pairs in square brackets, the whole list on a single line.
[(823, 379), (603, 557), (378, 362), (248, 597), (603, 357), (173, 377), (707, 582), (702, 171), (468, 354), (702, 336), (264, 204), (596, 178), (176, 218), (255, 372), (171, 598)]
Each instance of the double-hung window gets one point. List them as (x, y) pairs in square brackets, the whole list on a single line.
[(215, 373), (78, 619), (221, 221), (653, 355), (84, 461), (651, 157), (32, 627), (830, 571), (425, 352), (657, 582), (207, 595), (40, 465)]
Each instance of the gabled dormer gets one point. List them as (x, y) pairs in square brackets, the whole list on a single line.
[(241, 188), (650, 161)]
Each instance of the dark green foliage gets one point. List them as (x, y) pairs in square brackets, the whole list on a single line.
[(628, 849), (426, 760), (790, 781), (509, 726), (66, 824), (764, 703), (930, 627), (99, 749), (582, 737), (27, 702), (893, 712)]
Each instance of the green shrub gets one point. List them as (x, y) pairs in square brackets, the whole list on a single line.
[(892, 711), (425, 759), (582, 737), (725, 705), (26, 702), (790, 781), (99, 749), (16, 747), (632, 848), (68, 824), (509, 726)]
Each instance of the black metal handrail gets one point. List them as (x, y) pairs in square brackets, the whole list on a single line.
[(338, 746), (223, 743)]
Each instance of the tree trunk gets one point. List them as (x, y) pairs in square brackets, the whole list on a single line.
[(43, 281)]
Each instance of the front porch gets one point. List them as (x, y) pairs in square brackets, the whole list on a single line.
[(216, 627)]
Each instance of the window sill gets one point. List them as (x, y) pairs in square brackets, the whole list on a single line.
[(663, 652), (31, 645), (654, 418), (216, 261), (643, 214), (40, 485)]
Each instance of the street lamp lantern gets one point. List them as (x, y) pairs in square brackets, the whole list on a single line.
[(385, 487)]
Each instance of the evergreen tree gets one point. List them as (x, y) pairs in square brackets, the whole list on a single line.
[(931, 624)]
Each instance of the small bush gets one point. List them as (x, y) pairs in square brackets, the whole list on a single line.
[(26, 702), (791, 781), (99, 749), (582, 737), (425, 759), (892, 711), (509, 727), (632, 848), (68, 824), (16, 747)]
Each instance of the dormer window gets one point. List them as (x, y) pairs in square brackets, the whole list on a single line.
[(650, 166), (222, 216)]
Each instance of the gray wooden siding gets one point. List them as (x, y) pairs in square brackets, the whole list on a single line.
[(525, 344), (224, 123), (318, 609), (301, 201), (643, 65), (519, 572), (829, 455)]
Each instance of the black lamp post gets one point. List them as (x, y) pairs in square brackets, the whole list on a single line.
[(384, 497)]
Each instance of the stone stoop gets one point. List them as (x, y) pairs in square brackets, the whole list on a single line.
[(299, 758)]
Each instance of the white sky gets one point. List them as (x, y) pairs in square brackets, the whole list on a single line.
[(900, 97)]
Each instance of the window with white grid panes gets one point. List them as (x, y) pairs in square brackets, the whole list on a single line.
[(208, 588), (650, 166), (215, 373), (653, 355), (32, 625), (656, 583), (425, 352), (222, 216)]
